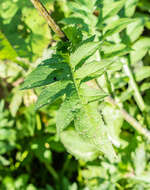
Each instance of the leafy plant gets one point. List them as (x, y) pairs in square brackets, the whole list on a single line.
[(91, 88)]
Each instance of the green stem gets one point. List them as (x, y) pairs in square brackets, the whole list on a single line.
[(137, 96), (74, 80), (109, 87), (66, 165), (52, 171), (119, 186)]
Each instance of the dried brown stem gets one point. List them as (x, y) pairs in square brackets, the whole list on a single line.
[(132, 121), (40, 7)]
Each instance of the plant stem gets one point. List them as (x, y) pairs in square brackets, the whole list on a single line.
[(66, 165), (52, 171), (119, 186), (109, 88), (137, 95), (40, 7), (133, 122)]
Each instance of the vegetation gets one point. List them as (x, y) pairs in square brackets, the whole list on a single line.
[(75, 95)]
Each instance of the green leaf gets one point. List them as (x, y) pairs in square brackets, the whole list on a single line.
[(74, 34), (66, 111), (76, 21), (142, 73), (74, 186), (4, 147), (126, 95), (140, 159), (8, 135), (90, 69), (8, 10), (84, 11), (130, 7), (116, 26), (112, 10), (114, 50), (25, 29), (141, 178), (38, 77), (31, 187), (16, 102), (6, 50), (44, 73), (89, 125), (91, 94), (77, 146), (84, 51), (114, 121), (135, 29), (145, 86), (85, 5), (144, 5), (39, 31), (140, 49), (51, 93), (4, 161)]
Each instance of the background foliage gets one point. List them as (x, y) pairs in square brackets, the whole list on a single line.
[(31, 156)]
